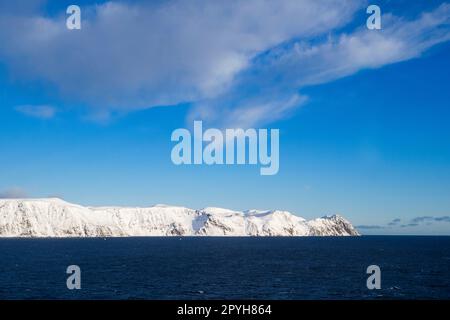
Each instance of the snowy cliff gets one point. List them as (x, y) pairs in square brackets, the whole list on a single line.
[(57, 218)]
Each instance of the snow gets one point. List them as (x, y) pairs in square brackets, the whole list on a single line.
[(57, 218)]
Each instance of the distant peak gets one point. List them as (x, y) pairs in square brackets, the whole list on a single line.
[(161, 205), (216, 210), (253, 212), (333, 217)]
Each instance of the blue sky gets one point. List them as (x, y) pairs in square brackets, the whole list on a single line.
[(87, 115)]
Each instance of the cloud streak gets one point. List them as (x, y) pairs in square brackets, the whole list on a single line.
[(425, 219), (370, 227), (297, 64), (414, 222), (394, 222), (37, 111)]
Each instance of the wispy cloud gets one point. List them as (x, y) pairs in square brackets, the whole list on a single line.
[(12, 193), (425, 219), (422, 219), (249, 113), (37, 111), (443, 219), (370, 227), (409, 225), (394, 222), (305, 64), (414, 222), (284, 70)]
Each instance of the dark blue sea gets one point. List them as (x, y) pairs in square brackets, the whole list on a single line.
[(226, 268)]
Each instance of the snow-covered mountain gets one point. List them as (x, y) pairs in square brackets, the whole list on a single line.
[(57, 218)]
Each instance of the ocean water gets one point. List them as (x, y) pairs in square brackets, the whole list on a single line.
[(226, 268)]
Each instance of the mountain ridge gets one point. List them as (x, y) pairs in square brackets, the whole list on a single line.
[(53, 217)]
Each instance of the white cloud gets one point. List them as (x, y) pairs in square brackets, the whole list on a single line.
[(256, 111), (286, 69), (142, 55), (37, 111), (303, 64), (241, 61)]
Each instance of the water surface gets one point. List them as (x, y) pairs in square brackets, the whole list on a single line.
[(226, 268)]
